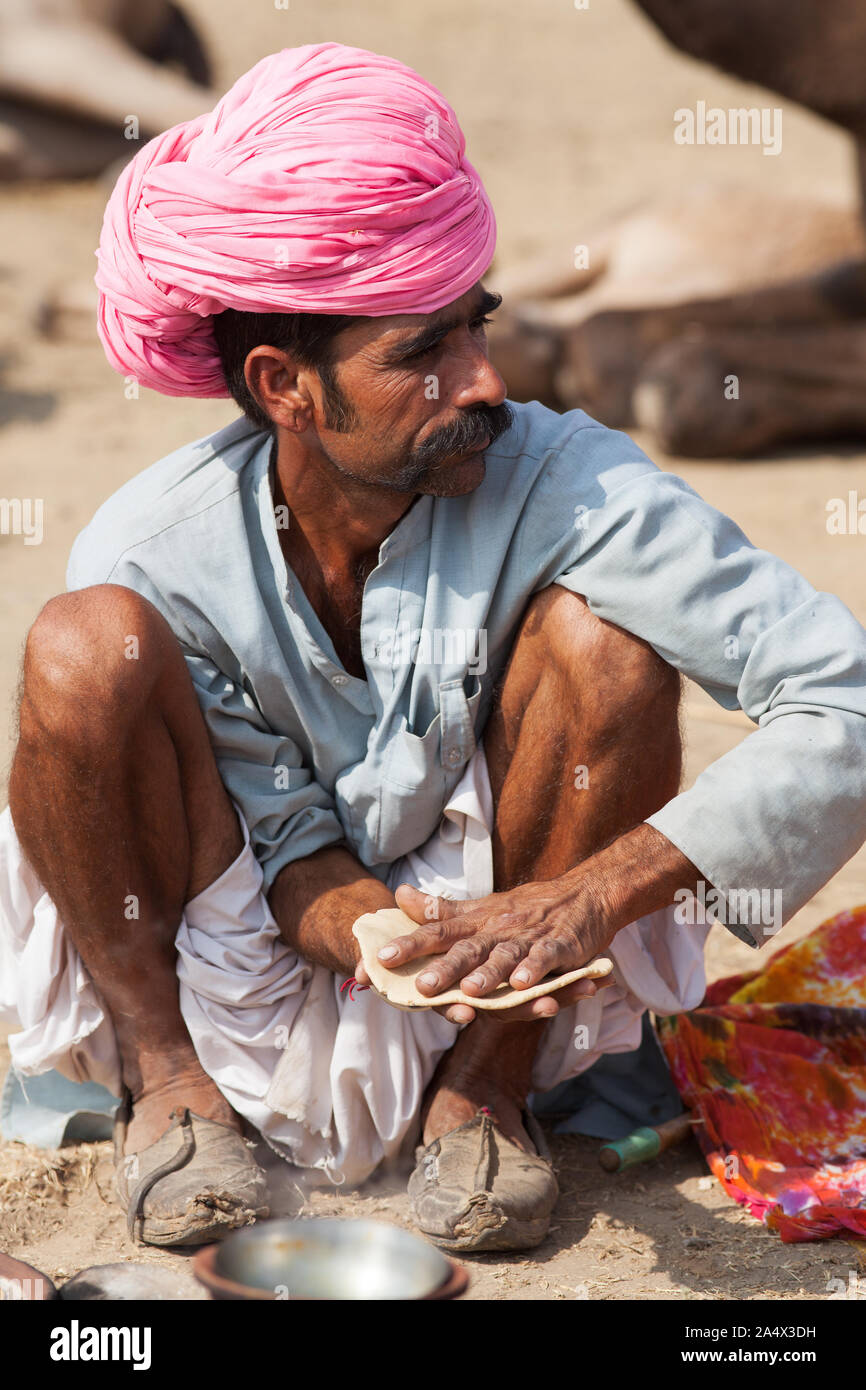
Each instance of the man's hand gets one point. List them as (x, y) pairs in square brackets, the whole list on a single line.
[(536, 1010), (519, 936), (537, 929)]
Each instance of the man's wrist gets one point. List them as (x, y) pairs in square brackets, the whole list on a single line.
[(316, 899), (638, 873)]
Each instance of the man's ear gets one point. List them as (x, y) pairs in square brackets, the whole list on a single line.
[(276, 382)]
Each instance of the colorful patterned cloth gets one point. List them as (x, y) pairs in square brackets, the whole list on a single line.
[(773, 1065)]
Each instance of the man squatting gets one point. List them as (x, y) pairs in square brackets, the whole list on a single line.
[(223, 763)]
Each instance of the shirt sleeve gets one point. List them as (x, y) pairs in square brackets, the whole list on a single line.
[(786, 808), (289, 815)]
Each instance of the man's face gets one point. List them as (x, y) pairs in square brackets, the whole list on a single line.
[(417, 400)]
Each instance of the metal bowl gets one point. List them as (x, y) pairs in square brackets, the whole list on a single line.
[(326, 1258)]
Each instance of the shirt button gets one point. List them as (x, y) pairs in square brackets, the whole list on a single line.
[(338, 680), (453, 755)]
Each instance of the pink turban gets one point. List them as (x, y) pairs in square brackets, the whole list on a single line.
[(328, 180)]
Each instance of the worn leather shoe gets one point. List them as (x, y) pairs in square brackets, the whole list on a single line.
[(474, 1189), (195, 1184)]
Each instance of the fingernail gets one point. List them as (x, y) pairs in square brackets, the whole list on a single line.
[(387, 953), (475, 980), (428, 978), (522, 976)]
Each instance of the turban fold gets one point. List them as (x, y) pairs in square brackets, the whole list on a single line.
[(328, 180)]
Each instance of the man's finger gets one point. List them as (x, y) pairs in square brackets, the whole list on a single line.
[(549, 956), (426, 907), (505, 957), (456, 1013), (581, 989), (462, 957), (430, 940), (549, 1005), (536, 1011)]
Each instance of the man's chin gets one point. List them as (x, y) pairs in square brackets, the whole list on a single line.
[(453, 479)]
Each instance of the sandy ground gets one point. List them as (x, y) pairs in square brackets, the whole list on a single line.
[(568, 116)]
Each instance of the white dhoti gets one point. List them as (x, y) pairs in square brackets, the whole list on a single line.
[(332, 1083)]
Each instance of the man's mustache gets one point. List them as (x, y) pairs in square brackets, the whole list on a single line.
[(477, 426)]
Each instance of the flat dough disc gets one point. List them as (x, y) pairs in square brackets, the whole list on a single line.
[(375, 929)]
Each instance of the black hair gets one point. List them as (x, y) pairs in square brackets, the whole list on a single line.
[(308, 337)]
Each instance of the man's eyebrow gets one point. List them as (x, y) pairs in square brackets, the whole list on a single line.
[(432, 333)]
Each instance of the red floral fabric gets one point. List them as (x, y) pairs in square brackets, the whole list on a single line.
[(773, 1065)]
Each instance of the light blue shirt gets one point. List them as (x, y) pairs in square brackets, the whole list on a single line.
[(314, 755)]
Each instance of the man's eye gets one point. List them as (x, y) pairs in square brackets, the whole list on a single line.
[(422, 352), (474, 324)]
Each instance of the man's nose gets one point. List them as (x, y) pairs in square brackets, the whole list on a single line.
[(480, 383)]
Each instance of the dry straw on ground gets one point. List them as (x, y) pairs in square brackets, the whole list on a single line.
[(34, 1182)]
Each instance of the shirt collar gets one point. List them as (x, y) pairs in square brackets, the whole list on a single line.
[(413, 524)]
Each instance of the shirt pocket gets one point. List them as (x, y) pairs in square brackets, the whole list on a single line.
[(418, 760)]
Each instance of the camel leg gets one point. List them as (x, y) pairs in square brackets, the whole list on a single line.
[(603, 357), (90, 72), (175, 40), (39, 144), (810, 53), (715, 393)]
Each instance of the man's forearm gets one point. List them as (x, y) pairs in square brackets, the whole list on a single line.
[(316, 899), (637, 874)]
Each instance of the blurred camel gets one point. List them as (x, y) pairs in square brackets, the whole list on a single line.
[(686, 297), (73, 73)]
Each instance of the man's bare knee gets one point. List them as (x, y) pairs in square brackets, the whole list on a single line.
[(91, 662), (616, 674)]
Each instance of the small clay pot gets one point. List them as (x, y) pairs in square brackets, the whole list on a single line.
[(21, 1282)]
